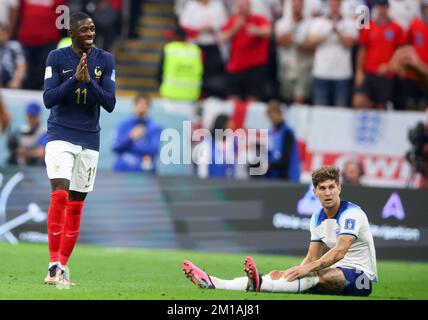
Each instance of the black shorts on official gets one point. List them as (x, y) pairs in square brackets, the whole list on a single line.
[(251, 82), (377, 88)]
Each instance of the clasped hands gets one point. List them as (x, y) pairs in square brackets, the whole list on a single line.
[(82, 72)]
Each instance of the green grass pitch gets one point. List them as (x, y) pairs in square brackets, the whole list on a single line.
[(117, 273)]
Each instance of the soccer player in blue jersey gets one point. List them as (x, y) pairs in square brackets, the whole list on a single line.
[(347, 268), (79, 79)]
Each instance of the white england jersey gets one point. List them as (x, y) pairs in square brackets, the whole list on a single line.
[(350, 219)]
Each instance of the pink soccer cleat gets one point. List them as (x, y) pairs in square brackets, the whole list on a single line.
[(254, 278), (197, 275)]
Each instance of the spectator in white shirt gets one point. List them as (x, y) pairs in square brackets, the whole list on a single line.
[(404, 11), (311, 9), (333, 37), (350, 8), (295, 56), (9, 14), (202, 20), (270, 9)]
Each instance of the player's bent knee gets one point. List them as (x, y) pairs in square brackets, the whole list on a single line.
[(275, 274), (331, 281)]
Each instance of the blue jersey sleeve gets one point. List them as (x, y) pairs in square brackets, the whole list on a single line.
[(54, 90), (105, 93)]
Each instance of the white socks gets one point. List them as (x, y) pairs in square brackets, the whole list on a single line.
[(282, 285), (269, 285), (235, 284)]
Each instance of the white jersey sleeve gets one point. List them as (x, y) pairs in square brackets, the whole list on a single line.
[(350, 222), (361, 254), (315, 237)]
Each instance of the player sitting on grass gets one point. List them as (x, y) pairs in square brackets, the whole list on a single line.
[(348, 268)]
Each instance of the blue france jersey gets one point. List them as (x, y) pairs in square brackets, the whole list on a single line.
[(350, 219), (75, 105)]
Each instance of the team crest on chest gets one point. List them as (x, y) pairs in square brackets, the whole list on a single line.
[(98, 72)]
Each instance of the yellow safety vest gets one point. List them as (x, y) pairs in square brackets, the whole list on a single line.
[(182, 71)]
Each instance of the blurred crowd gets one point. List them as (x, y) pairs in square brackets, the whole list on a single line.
[(320, 52), (363, 54), (30, 29)]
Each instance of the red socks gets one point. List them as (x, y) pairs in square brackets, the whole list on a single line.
[(63, 226), (71, 230), (56, 214)]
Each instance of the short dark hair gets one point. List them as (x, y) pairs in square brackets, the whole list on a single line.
[(75, 17), (382, 3), (220, 122), (274, 106), (325, 173), (142, 95)]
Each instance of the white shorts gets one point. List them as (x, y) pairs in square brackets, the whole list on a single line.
[(65, 160)]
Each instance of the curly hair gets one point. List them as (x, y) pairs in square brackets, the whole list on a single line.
[(325, 173)]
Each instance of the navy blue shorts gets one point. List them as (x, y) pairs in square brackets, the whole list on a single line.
[(357, 283)]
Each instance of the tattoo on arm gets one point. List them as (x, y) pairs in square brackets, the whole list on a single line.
[(335, 254)]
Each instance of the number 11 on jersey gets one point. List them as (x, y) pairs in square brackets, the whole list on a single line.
[(83, 92)]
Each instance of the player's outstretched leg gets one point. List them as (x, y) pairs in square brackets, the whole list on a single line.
[(258, 282), (254, 278), (271, 283), (197, 275), (203, 280)]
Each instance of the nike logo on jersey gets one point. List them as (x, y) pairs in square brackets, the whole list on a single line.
[(56, 233), (66, 71)]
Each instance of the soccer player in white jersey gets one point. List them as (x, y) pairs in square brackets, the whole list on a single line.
[(347, 268)]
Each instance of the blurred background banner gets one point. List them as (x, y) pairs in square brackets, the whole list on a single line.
[(377, 138), (212, 215)]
